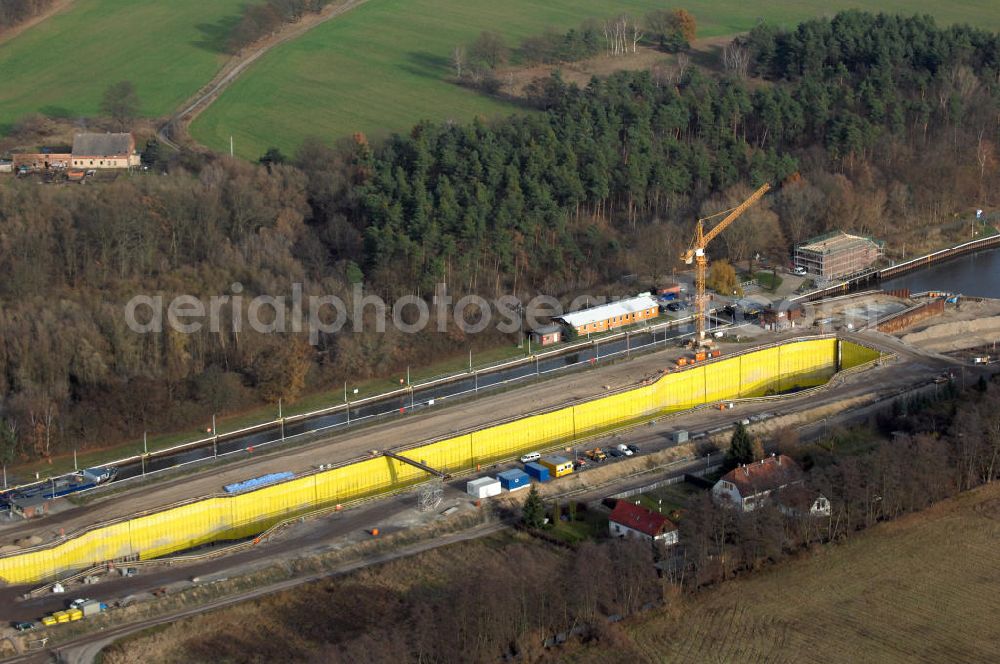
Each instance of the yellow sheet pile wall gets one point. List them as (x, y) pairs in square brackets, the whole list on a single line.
[(791, 366)]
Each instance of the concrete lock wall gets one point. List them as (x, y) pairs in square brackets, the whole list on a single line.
[(791, 366)]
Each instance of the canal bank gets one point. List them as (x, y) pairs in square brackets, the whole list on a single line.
[(974, 273), (971, 269)]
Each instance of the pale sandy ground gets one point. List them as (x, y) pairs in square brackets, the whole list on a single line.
[(971, 325)]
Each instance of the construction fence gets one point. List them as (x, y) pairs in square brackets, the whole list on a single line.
[(777, 369), (911, 316)]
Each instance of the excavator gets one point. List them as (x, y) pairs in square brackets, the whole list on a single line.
[(696, 254)]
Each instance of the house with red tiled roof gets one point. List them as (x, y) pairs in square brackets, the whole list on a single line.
[(628, 519), (751, 485)]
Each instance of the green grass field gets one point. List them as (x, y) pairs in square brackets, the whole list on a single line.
[(62, 66), (378, 68), (381, 67)]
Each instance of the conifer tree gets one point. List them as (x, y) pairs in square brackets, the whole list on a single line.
[(740, 448), (533, 512)]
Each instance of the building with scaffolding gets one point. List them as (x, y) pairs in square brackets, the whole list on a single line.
[(837, 255)]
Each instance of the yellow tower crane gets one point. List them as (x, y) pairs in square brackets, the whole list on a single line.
[(696, 254)]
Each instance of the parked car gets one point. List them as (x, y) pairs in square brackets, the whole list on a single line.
[(674, 306), (579, 463), (613, 451), (77, 603), (800, 271), (624, 450), (531, 457), (634, 449), (25, 626)]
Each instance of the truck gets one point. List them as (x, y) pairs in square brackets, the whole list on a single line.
[(597, 454)]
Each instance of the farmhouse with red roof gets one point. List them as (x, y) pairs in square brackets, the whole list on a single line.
[(628, 520)]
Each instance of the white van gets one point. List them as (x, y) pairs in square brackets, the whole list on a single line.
[(530, 457)]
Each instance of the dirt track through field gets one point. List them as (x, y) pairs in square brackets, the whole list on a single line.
[(176, 126), (57, 7)]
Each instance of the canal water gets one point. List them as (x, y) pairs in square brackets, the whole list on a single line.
[(975, 274)]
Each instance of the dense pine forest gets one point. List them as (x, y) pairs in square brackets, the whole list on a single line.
[(891, 123)]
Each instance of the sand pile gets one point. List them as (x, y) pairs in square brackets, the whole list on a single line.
[(956, 335)]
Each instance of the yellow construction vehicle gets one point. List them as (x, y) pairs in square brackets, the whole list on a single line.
[(696, 255)]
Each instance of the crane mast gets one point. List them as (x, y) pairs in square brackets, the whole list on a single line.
[(696, 254)]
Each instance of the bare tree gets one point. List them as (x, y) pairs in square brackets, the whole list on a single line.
[(736, 58), (664, 74), (985, 157), (965, 82), (617, 32), (458, 60), (683, 62), (636, 36), (489, 49)]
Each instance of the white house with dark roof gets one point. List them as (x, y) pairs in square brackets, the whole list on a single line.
[(104, 151), (752, 485)]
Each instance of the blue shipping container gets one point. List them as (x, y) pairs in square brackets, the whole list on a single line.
[(514, 479), (537, 471)]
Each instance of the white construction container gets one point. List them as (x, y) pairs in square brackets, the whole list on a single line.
[(484, 487)]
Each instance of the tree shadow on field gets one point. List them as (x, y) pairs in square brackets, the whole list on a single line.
[(59, 112), (429, 65), (707, 58), (215, 36)]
